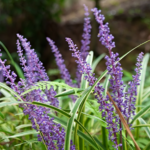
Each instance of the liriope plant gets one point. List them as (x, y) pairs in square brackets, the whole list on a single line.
[(93, 114)]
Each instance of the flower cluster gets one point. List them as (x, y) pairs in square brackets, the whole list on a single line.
[(132, 89), (35, 67), (86, 35), (60, 63), (10, 76), (62, 67), (104, 31), (53, 133), (117, 85)]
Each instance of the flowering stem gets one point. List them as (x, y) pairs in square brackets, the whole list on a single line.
[(41, 134), (120, 126), (125, 144)]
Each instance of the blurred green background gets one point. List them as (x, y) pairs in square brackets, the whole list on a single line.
[(128, 20)]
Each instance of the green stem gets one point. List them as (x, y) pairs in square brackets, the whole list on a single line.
[(18, 70), (104, 137), (121, 148), (137, 130), (137, 122), (41, 134), (76, 138), (81, 141), (124, 144)]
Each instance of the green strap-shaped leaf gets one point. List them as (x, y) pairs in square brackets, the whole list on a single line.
[(102, 122), (51, 107), (18, 69), (105, 72), (99, 143), (96, 61), (43, 85), (71, 120), (58, 120), (140, 113), (3, 104), (141, 125), (69, 92), (106, 82), (7, 95), (140, 88), (147, 130), (147, 147), (146, 94), (43, 105), (4, 86), (81, 118), (29, 142), (86, 137), (142, 78), (1, 115), (23, 134), (23, 126)]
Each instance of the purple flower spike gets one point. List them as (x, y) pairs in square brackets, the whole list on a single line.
[(34, 72), (132, 89), (85, 42), (86, 34), (62, 67), (60, 63), (104, 31), (81, 62), (117, 85), (35, 66), (9, 75)]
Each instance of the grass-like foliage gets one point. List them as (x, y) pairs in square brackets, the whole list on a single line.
[(91, 113)]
